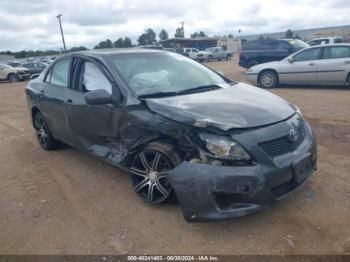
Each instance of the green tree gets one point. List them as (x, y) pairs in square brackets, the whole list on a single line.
[(163, 35), (127, 42), (198, 34), (104, 44), (289, 34), (179, 33), (147, 38), (119, 43), (77, 48)]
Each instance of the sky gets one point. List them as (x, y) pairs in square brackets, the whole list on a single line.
[(32, 24)]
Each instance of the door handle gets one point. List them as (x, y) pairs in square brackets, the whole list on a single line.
[(311, 64)]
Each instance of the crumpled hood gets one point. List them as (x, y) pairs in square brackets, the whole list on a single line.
[(237, 106)]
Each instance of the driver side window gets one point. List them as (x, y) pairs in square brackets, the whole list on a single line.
[(308, 55), (94, 79)]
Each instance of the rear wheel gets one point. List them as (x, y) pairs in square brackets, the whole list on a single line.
[(210, 58), (268, 79), (43, 133), (13, 78), (148, 172)]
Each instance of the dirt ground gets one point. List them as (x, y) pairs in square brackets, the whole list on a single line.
[(67, 202)]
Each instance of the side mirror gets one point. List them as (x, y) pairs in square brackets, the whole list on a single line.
[(290, 60), (98, 97)]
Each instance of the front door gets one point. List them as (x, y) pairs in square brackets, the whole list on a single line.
[(92, 126), (302, 68)]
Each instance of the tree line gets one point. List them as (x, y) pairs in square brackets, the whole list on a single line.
[(148, 37)]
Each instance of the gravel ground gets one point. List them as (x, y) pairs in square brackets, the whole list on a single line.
[(67, 202)]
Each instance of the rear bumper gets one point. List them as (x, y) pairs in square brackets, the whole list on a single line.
[(212, 193)]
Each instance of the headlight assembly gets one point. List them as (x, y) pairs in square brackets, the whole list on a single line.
[(224, 147)]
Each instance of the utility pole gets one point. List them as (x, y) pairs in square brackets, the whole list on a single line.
[(182, 27), (59, 20)]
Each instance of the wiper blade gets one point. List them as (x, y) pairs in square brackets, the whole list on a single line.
[(183, 92), (158, 94), (199, 89)]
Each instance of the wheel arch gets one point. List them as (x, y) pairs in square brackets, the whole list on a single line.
[(161, 138), (265, 70), (10, 74), (34, 111)]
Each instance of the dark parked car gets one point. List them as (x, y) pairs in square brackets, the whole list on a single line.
[(35, 68), (223, 149), (262, 51)]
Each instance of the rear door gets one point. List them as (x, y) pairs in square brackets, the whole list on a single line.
[(334, 65), (303, 68), (91, 125), (54, 91)]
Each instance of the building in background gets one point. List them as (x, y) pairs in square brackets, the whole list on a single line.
[(307, 34)]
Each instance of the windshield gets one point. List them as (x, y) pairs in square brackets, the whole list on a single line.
[(163, 73), (298, 44)]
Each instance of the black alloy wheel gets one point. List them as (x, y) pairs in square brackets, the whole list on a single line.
[(148, 172), (43, 133)]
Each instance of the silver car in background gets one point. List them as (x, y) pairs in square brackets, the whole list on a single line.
[(325, 65)]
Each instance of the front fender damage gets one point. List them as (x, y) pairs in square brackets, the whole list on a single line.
[(197, 187)]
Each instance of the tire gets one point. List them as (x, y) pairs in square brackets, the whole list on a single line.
[(228, 57), (13, 78), (148, 172), (210, 58), (252, 63), (43, 133), (268, 79), (348, 80)]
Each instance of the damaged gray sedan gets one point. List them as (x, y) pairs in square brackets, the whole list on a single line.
[(222, 149)]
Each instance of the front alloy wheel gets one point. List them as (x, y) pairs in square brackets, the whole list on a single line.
[(268, 79), (148, 173)]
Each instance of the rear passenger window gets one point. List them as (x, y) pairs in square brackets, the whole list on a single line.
[(335, 52), (59, 74)]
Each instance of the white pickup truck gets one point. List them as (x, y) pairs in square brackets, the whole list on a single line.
[(218, 53), (195, 54)]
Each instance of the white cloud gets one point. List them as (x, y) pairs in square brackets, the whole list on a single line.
[(31, 24)]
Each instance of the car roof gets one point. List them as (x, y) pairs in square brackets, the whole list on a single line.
[(336, 44), (115, 51)]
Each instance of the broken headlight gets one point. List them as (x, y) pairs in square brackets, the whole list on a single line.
[(224, 147)]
